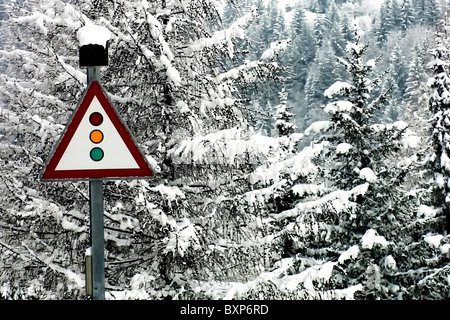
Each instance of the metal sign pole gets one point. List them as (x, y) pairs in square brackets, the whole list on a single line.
[(97, 228), (97, 240)]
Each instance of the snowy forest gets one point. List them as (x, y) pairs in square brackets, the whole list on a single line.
[(301, 149)]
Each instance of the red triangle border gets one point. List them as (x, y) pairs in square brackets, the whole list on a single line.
[(50, 174)]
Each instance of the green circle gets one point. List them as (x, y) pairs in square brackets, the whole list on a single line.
[(97, 154)]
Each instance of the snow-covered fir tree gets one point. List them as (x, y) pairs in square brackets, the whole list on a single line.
[(439, 107), (283, 116)]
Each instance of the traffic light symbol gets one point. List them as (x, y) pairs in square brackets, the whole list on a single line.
[(96, 136)]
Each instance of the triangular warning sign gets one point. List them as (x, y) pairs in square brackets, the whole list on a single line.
[(96, 144)]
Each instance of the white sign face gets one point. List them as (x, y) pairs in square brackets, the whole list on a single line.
[(96, 144)]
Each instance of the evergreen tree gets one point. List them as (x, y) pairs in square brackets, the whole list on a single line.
[(432, 12), (416, 79), (319, 31), (439, 107), (271, 27), (283, 116), (360, 152), (408, 14), (322, 72), (396, 83), (344, 204), (302, 49), (387, 21), (298, 18)]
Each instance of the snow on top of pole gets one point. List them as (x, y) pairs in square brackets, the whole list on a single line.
[(93, 34)]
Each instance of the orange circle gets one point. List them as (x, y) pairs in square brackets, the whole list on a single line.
[(96, 136)]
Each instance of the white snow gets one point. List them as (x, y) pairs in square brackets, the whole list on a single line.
[(339, 106), (410, 141), (439, 179), (390, 263), (353, 47), (299, 165), (343, 148), (169, 193), (445, 248), (226, 146), (172, 73), (350, 253), (319, 272), (182, 238), (242, 70), (69, 225), (93, 34), (275, 48), (400, 125), (368, 175), (184, 108), (338, 87), (370, 238), (426, 212), (307, 189), (340, 201), (236, 30), (318, 126), (434, 240), (371, 63)]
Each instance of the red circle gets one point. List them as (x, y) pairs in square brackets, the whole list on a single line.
[(96, 118)]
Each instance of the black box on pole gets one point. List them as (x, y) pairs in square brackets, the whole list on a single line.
[(93, 55)]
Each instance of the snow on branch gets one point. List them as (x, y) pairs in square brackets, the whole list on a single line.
[(225, 146), (235, 73), (236, 30), (67, 18), (319, 126), (318, 272), (337, 88), (13, 84), (371, 238), (340, 201), (266, 59), (299, 165), (260, 197), (274, 49), (183, 237), (339, 106)]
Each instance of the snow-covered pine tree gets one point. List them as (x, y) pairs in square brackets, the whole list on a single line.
[(439, 106), (386, 22), (301, 54), (358, 234), (395, 82), (369, 146), (420, 273), (415, 84), (283, 116), (408, 14), (323, 70), (164, 235), (361, 154)]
